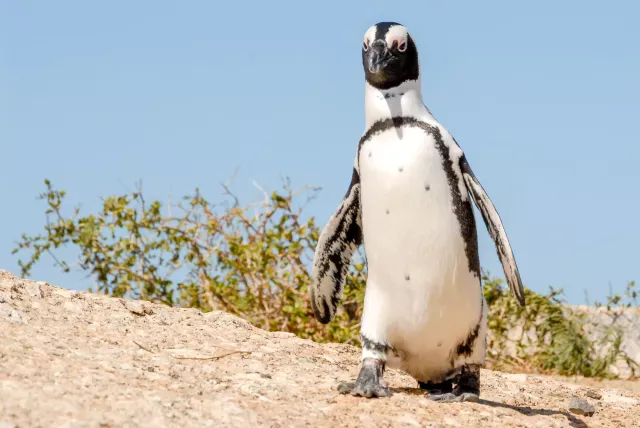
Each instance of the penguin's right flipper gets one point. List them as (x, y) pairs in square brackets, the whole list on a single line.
[(338, 241)]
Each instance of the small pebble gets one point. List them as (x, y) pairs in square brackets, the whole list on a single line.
[(593, 394), (511, 402), (134, 307), (581, 407)]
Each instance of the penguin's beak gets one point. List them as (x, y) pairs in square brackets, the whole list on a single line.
[(378, 57)]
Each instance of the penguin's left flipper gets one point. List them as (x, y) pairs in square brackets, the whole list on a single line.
[(496, 230), (338, 241), (369, 383)]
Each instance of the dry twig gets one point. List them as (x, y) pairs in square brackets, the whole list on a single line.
[(214, 357)]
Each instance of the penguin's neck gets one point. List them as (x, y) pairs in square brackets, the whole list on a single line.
[(403, 100)]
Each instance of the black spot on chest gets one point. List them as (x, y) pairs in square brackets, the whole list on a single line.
[(461, 208), (389, 95)]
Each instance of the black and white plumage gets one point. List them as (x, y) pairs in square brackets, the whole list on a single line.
[(338, 241), (496, 230), (409, 203)]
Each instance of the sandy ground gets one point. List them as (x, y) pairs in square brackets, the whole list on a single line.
[(72, 359)]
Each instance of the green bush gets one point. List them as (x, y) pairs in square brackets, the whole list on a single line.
[(253, 260), (548, 336)]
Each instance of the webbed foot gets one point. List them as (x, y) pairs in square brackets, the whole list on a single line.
[(369, 383), (450, 397), (467, 387)]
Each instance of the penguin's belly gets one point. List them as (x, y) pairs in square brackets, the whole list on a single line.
[(420, 290)]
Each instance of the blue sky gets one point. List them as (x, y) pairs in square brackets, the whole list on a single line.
[(542, 96)]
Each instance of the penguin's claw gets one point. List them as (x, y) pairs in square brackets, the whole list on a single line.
[(450, 397), (365, 389), (369, 383)]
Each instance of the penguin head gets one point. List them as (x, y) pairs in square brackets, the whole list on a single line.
[(389, 55)]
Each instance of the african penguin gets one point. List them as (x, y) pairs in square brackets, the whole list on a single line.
[(409, 204)]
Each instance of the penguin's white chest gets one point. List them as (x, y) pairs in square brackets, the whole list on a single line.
[(421, 297), (407, 207)]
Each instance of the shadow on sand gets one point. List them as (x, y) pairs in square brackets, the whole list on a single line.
[(527, 411)]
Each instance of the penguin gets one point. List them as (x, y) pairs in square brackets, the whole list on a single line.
[(409, 205)]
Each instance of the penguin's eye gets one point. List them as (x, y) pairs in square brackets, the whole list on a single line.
[(397, 43), (365, 45)]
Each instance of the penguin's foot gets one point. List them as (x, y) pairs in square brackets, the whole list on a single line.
[(369, 383), (451, 397), (437, 388), (467, 387)]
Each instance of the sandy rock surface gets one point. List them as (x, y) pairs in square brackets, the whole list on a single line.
[(73, 359)]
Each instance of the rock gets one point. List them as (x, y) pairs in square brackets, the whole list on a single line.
[(593, 394), (4, 297), (7, 313), (581, 407), (134, 307), (511, 401), (28, 288), (140, 308)]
